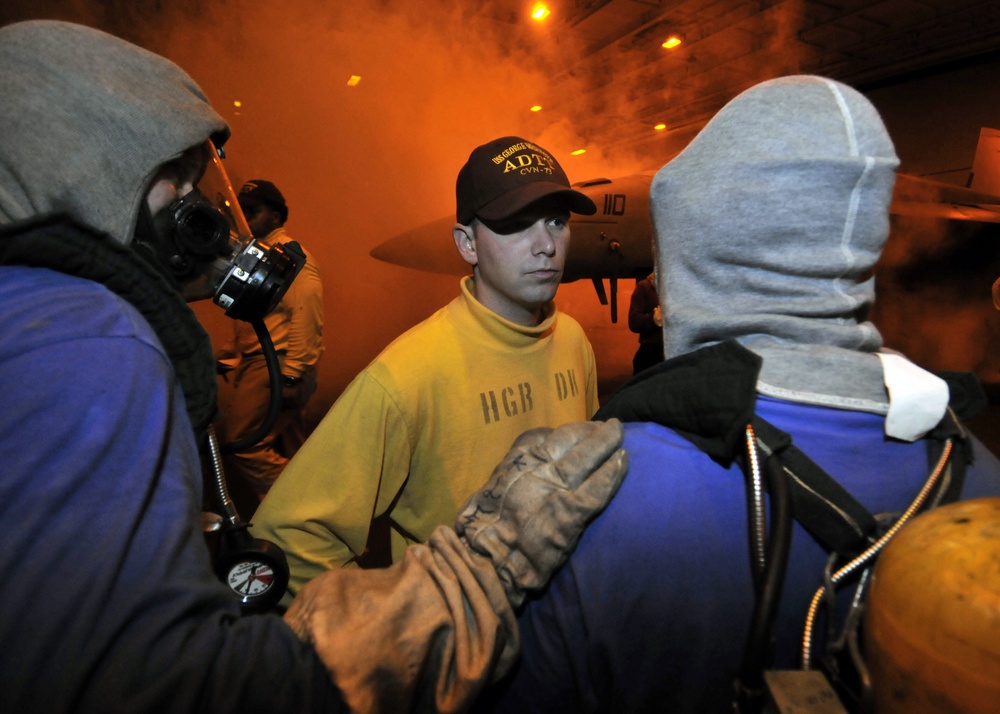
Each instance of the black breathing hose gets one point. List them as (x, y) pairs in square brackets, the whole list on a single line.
[(274, 405), (758, 653)]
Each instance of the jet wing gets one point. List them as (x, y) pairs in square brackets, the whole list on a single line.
[(925, 198)]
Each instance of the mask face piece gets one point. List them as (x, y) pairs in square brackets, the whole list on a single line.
[(193, 230), (203, 238)]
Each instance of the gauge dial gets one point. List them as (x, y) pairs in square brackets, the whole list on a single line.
[(250, 578)]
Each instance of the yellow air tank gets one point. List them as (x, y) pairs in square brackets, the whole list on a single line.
[(932, 629)]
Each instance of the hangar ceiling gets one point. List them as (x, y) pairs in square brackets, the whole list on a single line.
[(607, 74), (622, 81)]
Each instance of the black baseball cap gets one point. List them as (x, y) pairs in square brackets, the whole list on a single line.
[(257, 192), (507, 174)]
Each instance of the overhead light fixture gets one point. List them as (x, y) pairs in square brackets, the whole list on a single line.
[(539, 12), (237, 103), (353, 81), (537, 108), (672, 42), (578, 152), (660, 127)]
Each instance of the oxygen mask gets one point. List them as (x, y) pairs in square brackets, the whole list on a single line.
[(207, 245)]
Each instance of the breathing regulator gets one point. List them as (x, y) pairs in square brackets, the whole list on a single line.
[(205, 242)]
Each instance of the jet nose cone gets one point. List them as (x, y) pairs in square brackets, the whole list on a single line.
[(429, 247)]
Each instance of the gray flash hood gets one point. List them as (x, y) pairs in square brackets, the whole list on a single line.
[(768, 225), (85, 121)]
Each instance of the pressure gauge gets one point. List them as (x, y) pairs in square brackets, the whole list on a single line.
[(250, 578), (256, 573)]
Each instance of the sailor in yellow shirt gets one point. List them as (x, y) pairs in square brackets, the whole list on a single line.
[(422, 427)]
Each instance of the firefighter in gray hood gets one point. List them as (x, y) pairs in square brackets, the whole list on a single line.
[(681, 593), (108, 381)]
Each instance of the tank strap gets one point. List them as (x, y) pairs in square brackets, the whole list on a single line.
[(827, 510)]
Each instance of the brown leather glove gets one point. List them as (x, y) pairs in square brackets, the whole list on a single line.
[(531, 513), (426, 634)]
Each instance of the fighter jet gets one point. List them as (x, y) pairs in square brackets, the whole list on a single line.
[(617, 241)]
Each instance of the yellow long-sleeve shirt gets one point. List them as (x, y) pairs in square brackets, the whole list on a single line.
[(421, 428)]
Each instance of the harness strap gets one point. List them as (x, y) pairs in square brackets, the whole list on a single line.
[(827, 510)]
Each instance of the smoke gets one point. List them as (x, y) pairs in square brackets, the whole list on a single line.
[(360, 164)]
